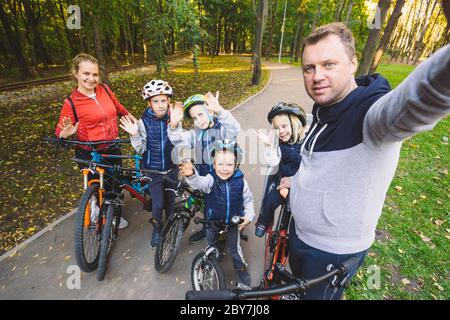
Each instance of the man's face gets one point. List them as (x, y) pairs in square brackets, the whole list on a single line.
[(200, 116), (159, 105), (328, 71), (224, 164)]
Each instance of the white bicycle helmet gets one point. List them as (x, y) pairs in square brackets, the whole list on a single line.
[(156, 87)]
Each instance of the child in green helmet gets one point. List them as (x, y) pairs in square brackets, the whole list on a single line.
[(211, 123)]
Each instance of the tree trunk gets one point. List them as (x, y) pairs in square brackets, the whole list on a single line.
[(258, 42), (15, 44), (338, 11), (298, 48), (317, 15), (418, 48), (392, 22), (37, 42), (349, 12), (372, 40), (273, 21)]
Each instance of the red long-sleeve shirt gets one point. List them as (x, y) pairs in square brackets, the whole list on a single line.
[(97, 117)]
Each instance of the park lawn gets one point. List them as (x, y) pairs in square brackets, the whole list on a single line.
[(40, 182)]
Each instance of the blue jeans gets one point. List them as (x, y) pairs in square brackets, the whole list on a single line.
[(308, 263), (162, 199)]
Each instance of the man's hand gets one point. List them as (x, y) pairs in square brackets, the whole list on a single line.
[(186, 168), (285, 183), (130, 125), (176, 114), (67, 128), (213, 106)]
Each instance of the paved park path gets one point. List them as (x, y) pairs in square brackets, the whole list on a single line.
[(39, 269)]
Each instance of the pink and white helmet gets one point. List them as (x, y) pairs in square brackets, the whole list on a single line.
[(156, 87)]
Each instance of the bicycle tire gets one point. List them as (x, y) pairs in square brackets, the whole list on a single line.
[(167, 250), (86, 238), (212, 266), (105, 242)]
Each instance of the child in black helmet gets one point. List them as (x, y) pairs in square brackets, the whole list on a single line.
[(226, 195), (289, 122)]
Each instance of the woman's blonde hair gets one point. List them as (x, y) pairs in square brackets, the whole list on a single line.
[(80, 58), (298, 130)]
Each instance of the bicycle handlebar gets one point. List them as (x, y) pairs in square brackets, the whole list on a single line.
[(299, 286), (85, 143)]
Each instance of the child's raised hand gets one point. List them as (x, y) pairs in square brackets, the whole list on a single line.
[(186, 168), (213, 103), (284, 192), (130, 125), (176, 114), (264, 138)]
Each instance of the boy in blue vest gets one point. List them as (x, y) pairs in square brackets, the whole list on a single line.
[(211, 123), (149, 137), (226, 195)]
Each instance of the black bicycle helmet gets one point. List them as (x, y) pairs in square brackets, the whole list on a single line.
[(287, 108)]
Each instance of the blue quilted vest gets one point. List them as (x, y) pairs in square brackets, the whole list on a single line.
[(159, 148), (206, 138), (226, 198), (290, 159)]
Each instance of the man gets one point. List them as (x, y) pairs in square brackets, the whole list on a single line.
[(351, 152)]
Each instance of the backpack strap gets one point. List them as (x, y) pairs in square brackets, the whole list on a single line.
[(74, 111), (109, 94), (106, 89)]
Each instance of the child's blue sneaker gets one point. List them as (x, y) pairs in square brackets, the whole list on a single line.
[(260, 230), (156, 238)]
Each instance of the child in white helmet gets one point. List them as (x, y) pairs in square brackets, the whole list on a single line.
[(149, 138)]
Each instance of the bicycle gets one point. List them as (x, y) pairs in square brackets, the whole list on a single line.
[(277, 247), (206, 271), (172, 233), (99, 211), (337, 276)]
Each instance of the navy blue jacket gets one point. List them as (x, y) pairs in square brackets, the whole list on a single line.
[(226, 198), (159, 148), (290, 159), (207, 137)]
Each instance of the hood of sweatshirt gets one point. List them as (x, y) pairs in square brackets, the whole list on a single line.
[(339, 126)]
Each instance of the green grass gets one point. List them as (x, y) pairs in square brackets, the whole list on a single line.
[(395, 73), (41, 183)]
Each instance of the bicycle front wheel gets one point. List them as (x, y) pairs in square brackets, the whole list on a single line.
[(86, 240), (170, 244), (107, 234), (207, 274)]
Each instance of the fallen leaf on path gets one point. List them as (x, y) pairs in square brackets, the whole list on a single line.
[(406, 281)]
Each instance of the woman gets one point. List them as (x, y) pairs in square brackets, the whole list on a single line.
[(91, 111)]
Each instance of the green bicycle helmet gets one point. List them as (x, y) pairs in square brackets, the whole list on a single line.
[(228, 145), (192, 101)]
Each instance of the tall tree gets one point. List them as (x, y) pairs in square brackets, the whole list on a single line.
[(13, 37), (391, 24), (373, 38), (260, 20)]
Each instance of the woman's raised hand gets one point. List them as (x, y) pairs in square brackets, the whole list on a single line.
[(67, 128)]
